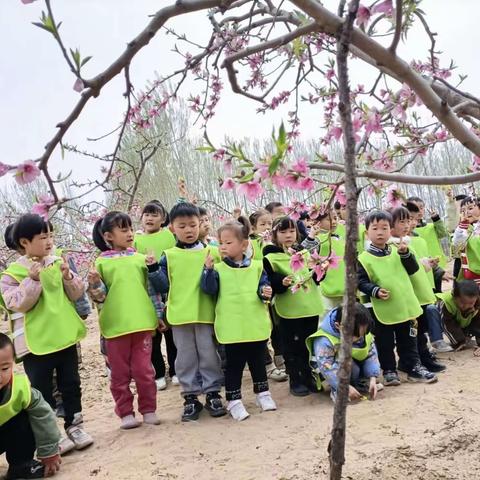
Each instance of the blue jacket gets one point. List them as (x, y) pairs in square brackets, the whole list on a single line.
[(326, 355)]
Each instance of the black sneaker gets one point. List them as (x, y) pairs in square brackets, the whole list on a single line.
[(299, 390), (31, 469), (420, 374), (431, 364), (191, 408), (214, 405), (391, 378)]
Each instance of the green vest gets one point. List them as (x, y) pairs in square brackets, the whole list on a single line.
[(127, 307), (257, 248), (333, 285), (452, 308), (341, 230), (20, 398), (53, 323), (420, 282), (473, 253), (240, 315), (429, 234), (187, 303), (303, 303), (388, 273), (156, 242), (419, 245), (359, 354)]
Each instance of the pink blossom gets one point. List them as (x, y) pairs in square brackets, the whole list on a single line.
[(399, 112), (357, 121), (300, 166), (228, 166), (261, 171), (334, 261), (45, 202), (278, 180), (363, 16), (336, 132), (26, 172), (372, 123), (78, 86), (219, 154), (340, 196), (4, 169), (393, 197), (441, 135), (319, 270), (330, 74), (476, 163), (306, 183), (251, 190), (297, 262), (385, 7), (228, 184), (26, 2)]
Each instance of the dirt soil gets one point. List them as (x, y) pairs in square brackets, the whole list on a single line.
[(414, 431)]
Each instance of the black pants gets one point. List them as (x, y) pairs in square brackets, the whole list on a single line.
[(399, 335), (275, 337), (239, 354), (422, 342), (438, 274), (157, 357), (294, 332), (39, 369), (17, 440)]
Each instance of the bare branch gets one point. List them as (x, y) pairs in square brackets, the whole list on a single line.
[(398, 26)]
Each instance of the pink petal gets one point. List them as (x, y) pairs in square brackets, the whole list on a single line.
[(78, 86)]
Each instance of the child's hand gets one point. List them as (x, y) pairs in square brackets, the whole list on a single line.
[(287, 281), (209, 262), (402, 246), (65, 269), (93, 277), (353, 394), (372, 389), (267, 292), (432, 213), (162, 327), (150, 258), (34, 271), (51, 464), (314, 230), (383, 294), (434, 261)]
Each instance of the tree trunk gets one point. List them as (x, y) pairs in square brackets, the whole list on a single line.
[(337, 442)]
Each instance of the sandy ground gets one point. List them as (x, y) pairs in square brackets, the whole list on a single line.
[(413, 431)]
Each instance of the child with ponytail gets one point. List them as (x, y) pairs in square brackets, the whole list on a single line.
[(242, 323), (127, 317)]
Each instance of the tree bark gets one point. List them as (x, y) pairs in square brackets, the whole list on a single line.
[(337, 442)]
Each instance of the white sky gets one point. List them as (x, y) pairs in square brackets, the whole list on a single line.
[(36, 84)]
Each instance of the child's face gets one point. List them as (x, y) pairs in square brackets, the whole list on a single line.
[(152, 222), (204, 226), (264, 223), (466, 304), (378, 232), (40, 246), (421, 207), (120, 238), (342, 211), (186, 229), (6, 365), (401, 227), (287, 238), (278, 212), (231, 246), (471, 211), (329, 223)]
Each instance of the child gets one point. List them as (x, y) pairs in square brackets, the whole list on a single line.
[(242, 323), (297, 312), (383, 276), (27, 423), (324, 347), (460, 311), (421, 286), (190, 312), (127, 317), (467, 241), (261, 222), (205, 226), (43, 288), (155, 239)]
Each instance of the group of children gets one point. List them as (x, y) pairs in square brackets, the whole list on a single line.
[(218, 302)]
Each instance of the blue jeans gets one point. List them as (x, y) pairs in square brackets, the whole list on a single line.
[(434, 323)]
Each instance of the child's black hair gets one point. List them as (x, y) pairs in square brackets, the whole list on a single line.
[(337, 205), (469, 200), (157, 208), (8, 236), (412, 207), (254, 217), (460, 197), (377, 216), (415, 199), (240, 227), (465, 288), (272, 206), (29, 225), (5, 340), (362, 318), (184, 209), (106, 224), (400, 213), (202, 211), (281, 224)]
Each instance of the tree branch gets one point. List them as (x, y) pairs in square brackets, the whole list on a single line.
[(398, 26)]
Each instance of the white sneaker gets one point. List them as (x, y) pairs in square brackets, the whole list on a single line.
[(129, 422), (151, 418), (237, 410), (161, 383), (265, 401), (79, 437), (65, 445), (175, 380), (441, 346), (277, 374)]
